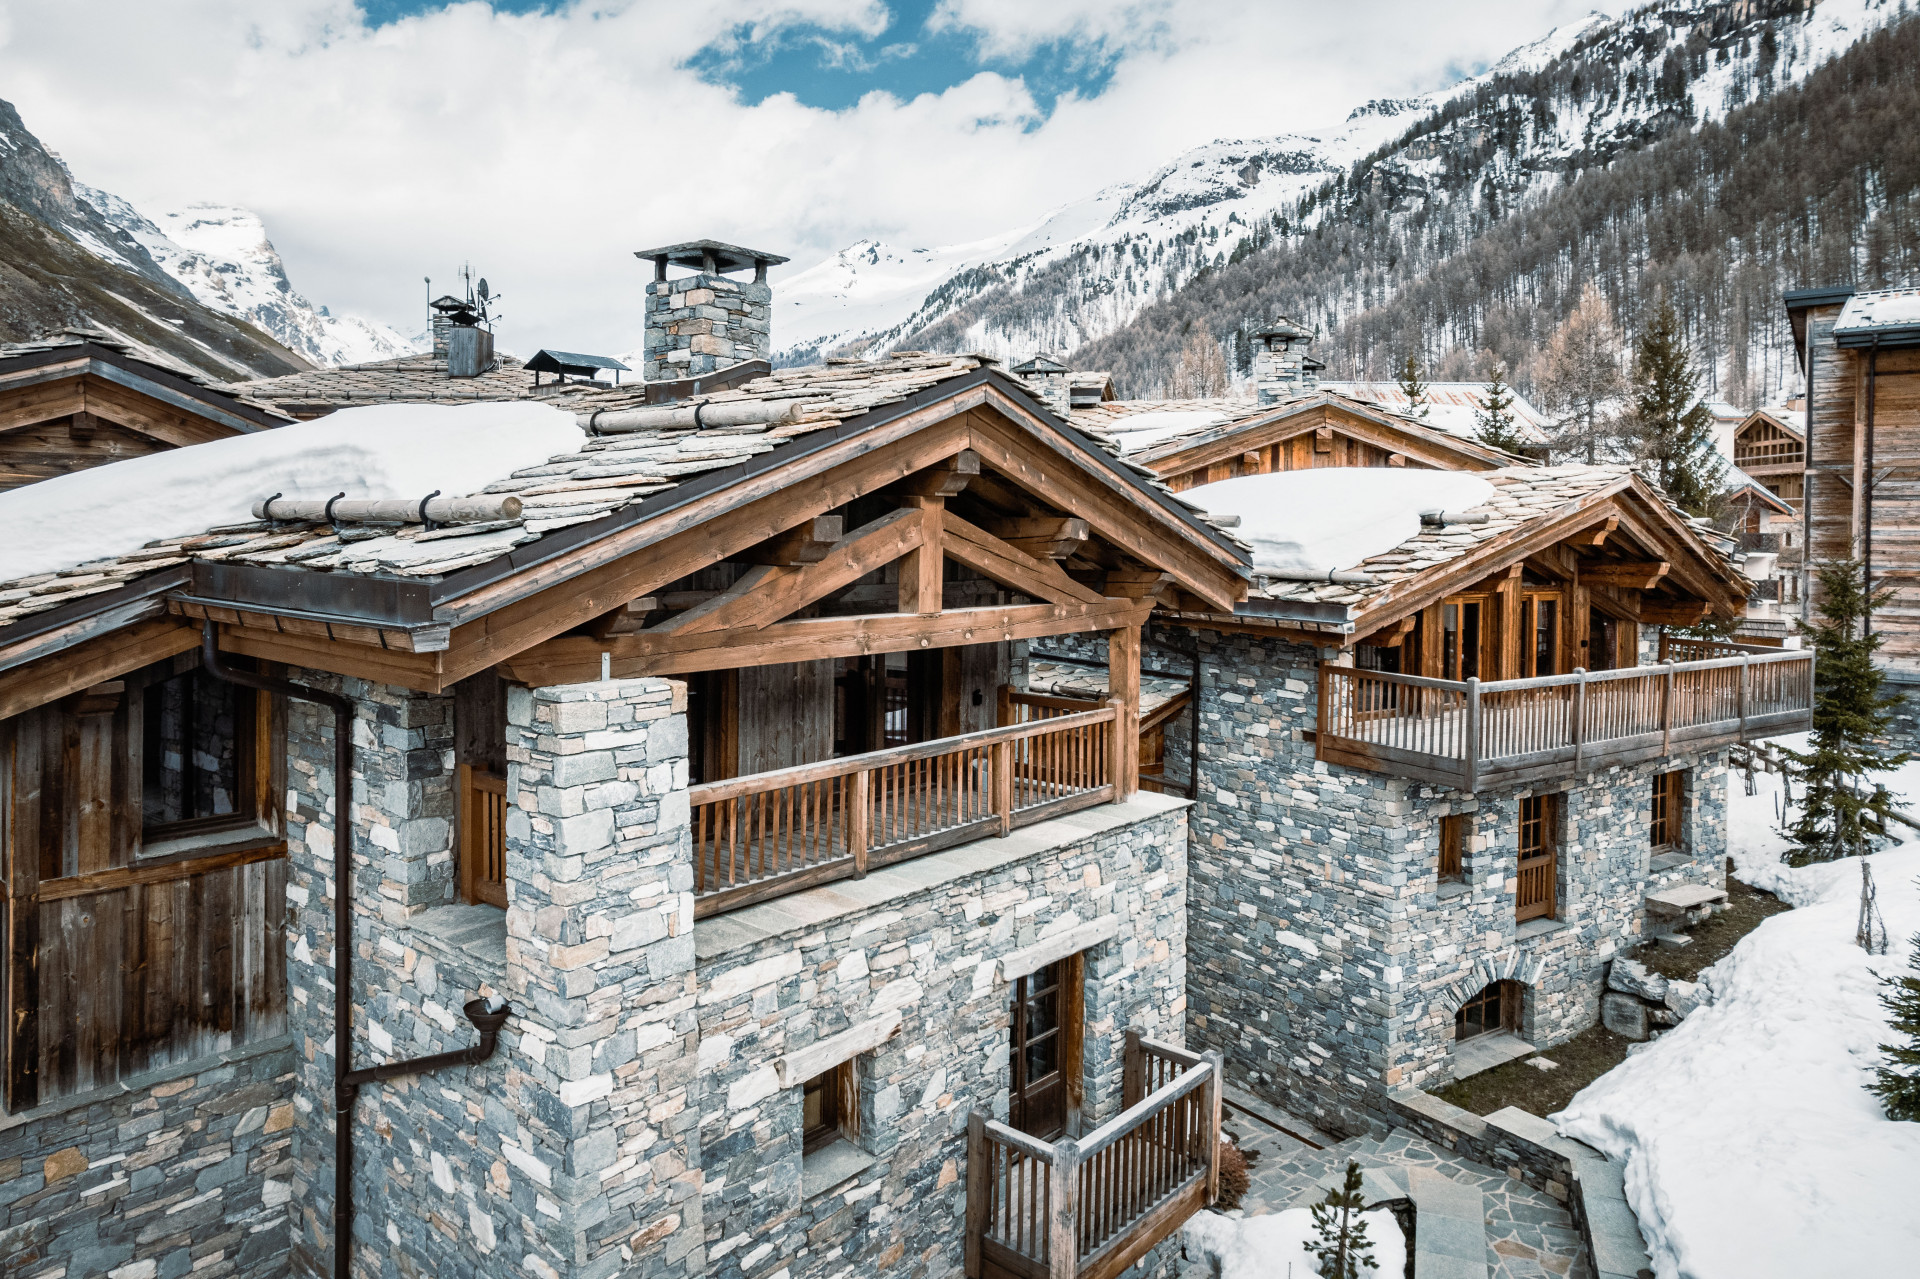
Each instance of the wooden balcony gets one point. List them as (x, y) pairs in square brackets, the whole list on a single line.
[(1470, 735), (1091, 1207), (770, 834)]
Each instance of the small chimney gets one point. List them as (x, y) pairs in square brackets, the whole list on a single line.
[(1049, 381), (459, 339), (440, 321), (703, 323), (1282, 369)]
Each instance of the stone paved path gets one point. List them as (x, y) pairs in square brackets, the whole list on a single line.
[(1530, 1235)]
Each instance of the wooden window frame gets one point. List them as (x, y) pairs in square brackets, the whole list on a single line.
[(1455, 832), (1486, 640), (1538, 853), (1529, 646), (1664, 826), (1069, 975), (1504, 997), (838, 1088), (255, 786)]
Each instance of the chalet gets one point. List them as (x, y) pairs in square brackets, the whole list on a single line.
[(1453, 407), (1860, 355), (78, 399), (1771, 446), (651, 858)]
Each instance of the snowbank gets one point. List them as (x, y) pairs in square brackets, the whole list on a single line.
[(1752, 1147), (1276, 1246), (1310, 523), (385, 450)]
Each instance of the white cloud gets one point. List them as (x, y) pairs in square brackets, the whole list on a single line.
[(546, 147)]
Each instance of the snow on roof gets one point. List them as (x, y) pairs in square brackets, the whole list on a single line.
[(1315, 522), (1152, 422), (1452, 407), (1865, 313), (387, 450)]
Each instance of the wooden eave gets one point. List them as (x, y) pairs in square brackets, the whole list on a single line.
[(32, 390), (1760, 417), (1435, 448)]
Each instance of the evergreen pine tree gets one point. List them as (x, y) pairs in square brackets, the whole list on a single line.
[(1495, 418), (1412, 386), (1343, 1245), (1580, 378), (1898, 1082), (1672, 429), (1840, 809)]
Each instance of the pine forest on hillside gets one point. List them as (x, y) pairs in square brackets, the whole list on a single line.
[(1806, 185)]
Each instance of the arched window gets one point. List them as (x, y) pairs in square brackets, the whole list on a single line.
[(1493, 1009)]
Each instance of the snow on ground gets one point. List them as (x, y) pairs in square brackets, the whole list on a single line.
[(1304, 524), (1276, 1246), (1753, 1149), (385, 450)]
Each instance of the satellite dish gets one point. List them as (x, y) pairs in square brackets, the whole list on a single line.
[(483, 288)]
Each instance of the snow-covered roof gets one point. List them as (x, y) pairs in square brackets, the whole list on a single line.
[(1452, 407), (1320, 521), (561, 478), (1889, 315)]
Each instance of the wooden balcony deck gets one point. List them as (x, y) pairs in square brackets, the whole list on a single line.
[(1091, 1207), (770, 834), (1472, 735)]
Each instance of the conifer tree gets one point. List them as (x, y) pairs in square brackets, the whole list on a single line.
[(1343, 1246), (1841, 809), (1412, 386), (1672, 429), (1580, 378), (1495, 418), (1898, 1082)]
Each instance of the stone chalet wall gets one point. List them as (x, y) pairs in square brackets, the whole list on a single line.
[(185, 1171), (925, 938), (1326, 959)]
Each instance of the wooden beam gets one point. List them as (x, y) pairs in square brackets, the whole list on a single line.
[(1636, 575), (807, 543), (571, 659), (1041, 537), (982, 551), (749, 590), (1123, 687), (1393, 634), (923, 569), (1137, 583), (92, 662), (1674, 612), (947, 480), (629, 617), (1597, 535)]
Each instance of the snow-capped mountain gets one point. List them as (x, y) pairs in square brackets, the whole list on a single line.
[(223, 256), (1088, 267)]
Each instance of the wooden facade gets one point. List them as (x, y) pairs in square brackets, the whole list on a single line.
[(1863, 455), (68, 407), (1774, 453), (1318, 432)]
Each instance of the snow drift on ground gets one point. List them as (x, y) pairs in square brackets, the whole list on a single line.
[(1305, 524), (1752, 1148), (1276, 1246), (384, 450)]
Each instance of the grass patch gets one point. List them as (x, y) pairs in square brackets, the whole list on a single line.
[(1592, 1053)]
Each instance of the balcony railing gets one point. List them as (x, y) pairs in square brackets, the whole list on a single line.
[(1089, 1208), (1469, 735), (775, 833)]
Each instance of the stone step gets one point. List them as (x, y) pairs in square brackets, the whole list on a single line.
[(1378, 1184), (1450, 1227)]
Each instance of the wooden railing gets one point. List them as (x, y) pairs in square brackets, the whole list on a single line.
[(483, 865), (1675, 648), (1470, 734), (774, 833), (1089, 1208)]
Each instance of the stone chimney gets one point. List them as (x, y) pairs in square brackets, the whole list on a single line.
[(440, 321), (1048, 379), (1282, 369), (702, 323)]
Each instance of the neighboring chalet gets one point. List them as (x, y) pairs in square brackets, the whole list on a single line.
[(1860, 355), (703, 746), (80, 399), (1771, 446)]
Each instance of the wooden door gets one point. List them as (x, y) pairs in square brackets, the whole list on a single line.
[(1468, 645), (1534, 893), (1540, 644), (1037, 1104)]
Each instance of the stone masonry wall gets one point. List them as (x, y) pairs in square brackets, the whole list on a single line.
[(182, 1172), (702, 323), (1326, 958), (933, 954)]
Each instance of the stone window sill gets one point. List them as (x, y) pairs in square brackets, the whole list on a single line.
[(478, 933), (1452, 888), (1534, 928), (831, 1166), (1672, 859)]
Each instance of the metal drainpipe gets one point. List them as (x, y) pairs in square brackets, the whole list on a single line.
[(1806, 491), (1866, 499), (346, 1083)]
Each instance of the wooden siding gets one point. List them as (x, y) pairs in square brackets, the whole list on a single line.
[(54, 428)]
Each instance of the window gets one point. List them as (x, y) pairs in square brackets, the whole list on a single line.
[(1539, 635), (1664, 830), (197, 752), (1460, 633), (1454, 833), (1494, 1009), (1534, 886), (1045, 1049), (829, 1109)]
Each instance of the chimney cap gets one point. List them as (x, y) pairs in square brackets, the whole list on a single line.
[(1283, 328), (1041, 362), (696, 253)]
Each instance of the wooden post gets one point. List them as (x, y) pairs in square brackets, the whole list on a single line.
[(1123, 685), (976, 1190), (1320, 728), (1003, 701), (1063, 1211), (1579, 718), (1473, 734), (1666, 708), (859, 821), (923, 570), (1132, 1072), (1003, 786), (1117, 761), (1215, 1094), (1746, 670)]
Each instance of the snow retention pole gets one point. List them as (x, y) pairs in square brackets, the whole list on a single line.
[(478, 509), (346, 1083), (699, 416)]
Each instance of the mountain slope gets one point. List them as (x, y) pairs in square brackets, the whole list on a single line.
[(64, 265), (1718, 153)]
